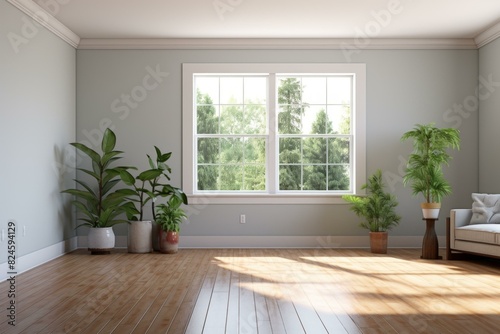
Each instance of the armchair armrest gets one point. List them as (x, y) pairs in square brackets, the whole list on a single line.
[(460, 217)]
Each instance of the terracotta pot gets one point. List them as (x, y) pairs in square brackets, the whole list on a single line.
[(169, 242), (101, 240), (378, 242), (140, 237), (430, 210)]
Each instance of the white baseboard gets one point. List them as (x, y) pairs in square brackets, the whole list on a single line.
[(32, 260), (281, 241), (297, 241)]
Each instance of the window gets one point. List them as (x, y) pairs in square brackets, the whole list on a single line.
[(273, 133)]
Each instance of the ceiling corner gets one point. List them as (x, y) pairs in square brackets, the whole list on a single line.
[(488, 36), (44, 18)]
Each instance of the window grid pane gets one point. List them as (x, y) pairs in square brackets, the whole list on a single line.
[(231, 132), (314, 133), (319, 109)]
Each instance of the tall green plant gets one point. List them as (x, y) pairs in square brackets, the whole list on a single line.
[(97, 201), (424, 170), (377, 208), (149, 185), (170, 215)]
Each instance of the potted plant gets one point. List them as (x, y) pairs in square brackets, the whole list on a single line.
[(378, 210), (424, 170), (169, 216), (96, 201), (147, 187)]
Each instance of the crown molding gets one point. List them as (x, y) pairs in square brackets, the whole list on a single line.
[(274, 43), (44, 18), (488, 36), (41, 16)]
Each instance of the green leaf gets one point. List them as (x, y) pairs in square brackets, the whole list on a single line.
[(109, 157), (151, 163), (158, 153), (86, 186), (80, 193), (149, 175), (108, 141), (165, 157), (94, 156), (126, 177), (108, 186)]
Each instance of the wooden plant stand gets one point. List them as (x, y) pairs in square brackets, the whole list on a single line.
[(430, 245)]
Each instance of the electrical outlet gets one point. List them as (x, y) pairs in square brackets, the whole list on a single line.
[(242, 219), (24, 230)]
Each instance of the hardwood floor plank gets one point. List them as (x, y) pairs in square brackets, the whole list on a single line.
[(232, 323), (247, 315)]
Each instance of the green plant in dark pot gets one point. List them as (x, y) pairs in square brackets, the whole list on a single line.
[(378, 208), (424, 170), (98, 201), (170, 216)]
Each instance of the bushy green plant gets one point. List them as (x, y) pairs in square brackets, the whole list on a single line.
[(424, 170), (377, 207), (97, 201), (170, 215), (149, 185)]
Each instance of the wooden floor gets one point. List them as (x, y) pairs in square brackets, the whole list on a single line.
[(256, 291)]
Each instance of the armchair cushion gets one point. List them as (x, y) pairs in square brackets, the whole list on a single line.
[(485, 209)]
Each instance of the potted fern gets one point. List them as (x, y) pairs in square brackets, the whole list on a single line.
[(97, 201), (170, 216), (424, 170), (378, 210)]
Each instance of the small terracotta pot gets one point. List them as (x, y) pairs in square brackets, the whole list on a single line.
[(378, 242), (169, 242)]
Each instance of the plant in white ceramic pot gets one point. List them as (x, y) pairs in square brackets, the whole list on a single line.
[(378, 210), (98, 201), (424, 170)]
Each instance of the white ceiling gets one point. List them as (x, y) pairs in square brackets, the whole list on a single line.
[(275, 18)]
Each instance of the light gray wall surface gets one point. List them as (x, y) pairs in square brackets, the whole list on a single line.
[(38, 92), (489, 118), (404, 87)]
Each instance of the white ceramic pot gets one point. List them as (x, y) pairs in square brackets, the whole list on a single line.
[(140, 237), (101, 240), (430, 210)]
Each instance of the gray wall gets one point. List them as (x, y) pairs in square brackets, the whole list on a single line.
[(38, 91), (404, 87), (489, 118)]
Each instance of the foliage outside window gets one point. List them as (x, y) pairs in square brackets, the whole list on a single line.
[(272, 133)]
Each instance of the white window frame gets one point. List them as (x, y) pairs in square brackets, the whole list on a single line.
[(189, 70)]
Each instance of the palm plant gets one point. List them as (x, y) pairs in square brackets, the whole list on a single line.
[(377, 208), (97, 202), (424, 169), (170, 215)]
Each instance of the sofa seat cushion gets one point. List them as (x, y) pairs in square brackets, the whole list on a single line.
[(485, 233)]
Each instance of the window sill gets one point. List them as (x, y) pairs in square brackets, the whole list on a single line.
[(309, 199)]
